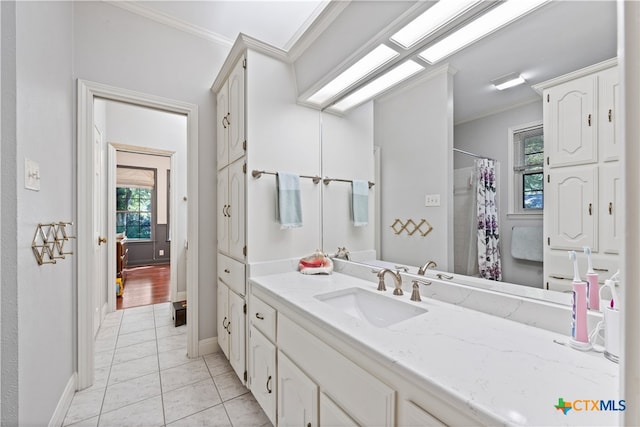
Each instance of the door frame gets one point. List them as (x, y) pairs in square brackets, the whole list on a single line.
[(87, 91)]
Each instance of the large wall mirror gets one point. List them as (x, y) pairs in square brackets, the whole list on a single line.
[(405, 140)]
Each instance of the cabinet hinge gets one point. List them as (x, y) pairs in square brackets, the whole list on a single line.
[(244, 63), (245, 375), (548, 98), (244, 168), (547, 160), (244, 145), (244, 251), (548, 241), (549, 178), (244, 309)]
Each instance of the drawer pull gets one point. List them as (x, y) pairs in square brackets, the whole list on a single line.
[(259, 316), (269, 385), (225, 321), (610, 208), (590, 208)]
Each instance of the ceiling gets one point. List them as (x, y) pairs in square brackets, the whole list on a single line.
[(558, 38)]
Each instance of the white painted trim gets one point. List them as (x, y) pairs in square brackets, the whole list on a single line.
[(111, 224), (64, 403), (512, 211), (498, 111), (208, 346), (86, 93), (171, 21), (180, 296), (576, 74), (104, 311)]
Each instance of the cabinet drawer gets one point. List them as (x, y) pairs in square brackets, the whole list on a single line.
[(263, 317), (231, 272)]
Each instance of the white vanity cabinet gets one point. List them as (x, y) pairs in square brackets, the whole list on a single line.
[(231, 210), (297, 396), (232, 328), (230, 103), (261, 356), (582, 172)]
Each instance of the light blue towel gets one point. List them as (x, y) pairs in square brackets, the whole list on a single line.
[(289, 206), (360, 202)]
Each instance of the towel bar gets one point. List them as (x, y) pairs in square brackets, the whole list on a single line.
[(328, 180), (257, 174)]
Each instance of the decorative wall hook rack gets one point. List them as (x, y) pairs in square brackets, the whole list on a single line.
[(49, 240), (410, 227)]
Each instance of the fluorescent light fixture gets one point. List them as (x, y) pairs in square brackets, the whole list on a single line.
[(431, 20), (369, 63), (510, 80), (491, 21), (382, 83)]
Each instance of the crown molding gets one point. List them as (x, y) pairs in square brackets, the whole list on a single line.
[(540, 87), (171, 21)]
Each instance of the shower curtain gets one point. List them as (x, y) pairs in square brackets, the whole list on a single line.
[(487, 220)]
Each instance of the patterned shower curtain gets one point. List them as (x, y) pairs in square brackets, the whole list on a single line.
[(487, 220)]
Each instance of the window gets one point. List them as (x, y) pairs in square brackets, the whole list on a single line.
[(134, 201), (527, 158)]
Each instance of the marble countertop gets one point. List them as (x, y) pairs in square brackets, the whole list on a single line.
[(494, 369)]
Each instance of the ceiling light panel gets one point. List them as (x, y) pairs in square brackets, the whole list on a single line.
[(480, 27), (510, 80), (379, 85), (372, 61), (431, 21)]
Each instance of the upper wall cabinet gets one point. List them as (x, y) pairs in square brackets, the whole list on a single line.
[(609, 114), (230, 116)]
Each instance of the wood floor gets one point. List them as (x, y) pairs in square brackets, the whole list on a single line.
[(145, 285)]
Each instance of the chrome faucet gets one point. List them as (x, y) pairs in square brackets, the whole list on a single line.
[(425, 267)]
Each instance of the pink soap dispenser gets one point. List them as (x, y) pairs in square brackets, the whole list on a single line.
[(579, 335), (593, 291)]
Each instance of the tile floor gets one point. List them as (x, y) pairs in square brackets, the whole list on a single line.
[(143, 378)]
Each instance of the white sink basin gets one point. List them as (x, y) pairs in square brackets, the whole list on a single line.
[(376, 309)]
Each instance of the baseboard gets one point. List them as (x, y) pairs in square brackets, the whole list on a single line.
[(181, 296), (105, 310), (65, 401), (208, 346)]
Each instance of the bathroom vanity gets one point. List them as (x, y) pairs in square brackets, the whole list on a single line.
[(321, 354)]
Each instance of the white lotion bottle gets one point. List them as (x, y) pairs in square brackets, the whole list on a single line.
[(579, 335), (593, 291)]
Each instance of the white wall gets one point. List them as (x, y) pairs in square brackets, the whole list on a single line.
[(488, 136), (118, 48), (347, 152), (45, 299), (414, 129), (281, 136)]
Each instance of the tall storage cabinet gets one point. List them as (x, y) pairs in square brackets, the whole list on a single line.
[(231, 301), (582, 173)]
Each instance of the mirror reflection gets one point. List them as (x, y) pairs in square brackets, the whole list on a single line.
[(421, 144)]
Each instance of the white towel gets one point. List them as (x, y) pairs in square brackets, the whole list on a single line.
[(527, 243), (360, 202), (289, 206)]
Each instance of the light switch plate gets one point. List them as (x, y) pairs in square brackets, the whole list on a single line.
[(31, 175), (432, 200)]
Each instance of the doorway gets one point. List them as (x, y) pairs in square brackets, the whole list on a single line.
[(88, 92)]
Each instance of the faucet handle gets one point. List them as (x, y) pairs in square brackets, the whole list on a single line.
[(401, 268), (415, 294)]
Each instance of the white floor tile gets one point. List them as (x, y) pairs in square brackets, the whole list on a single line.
[(135, 351), (170, 330), (85, 404), (182, 375), (147, 413), (136, 326), (133, 369), (131, 391), (245, 411), (172, 343), (125, 339), (217, 363), (212, 417), (190, 399), (91, 422), (172, 358), (103, 358), (229, 386)]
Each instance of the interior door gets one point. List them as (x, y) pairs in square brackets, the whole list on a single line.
[(99, 229)]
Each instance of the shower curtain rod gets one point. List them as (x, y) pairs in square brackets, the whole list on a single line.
[(472, 154)]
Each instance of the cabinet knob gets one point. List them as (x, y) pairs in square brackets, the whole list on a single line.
[(101, 240)]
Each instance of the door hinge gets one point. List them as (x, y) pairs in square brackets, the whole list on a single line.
[(244, 309), (548, 241), (244, 145), (548, 98), (244, 63), (244, 251), (244, 168), (245, 376)]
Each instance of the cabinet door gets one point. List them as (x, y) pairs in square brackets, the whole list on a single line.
[(222, 130), (572, 224), (416, 416), (235, 118), (611, 208), (223, 317), (331, 415), (262, 372), (297, 396), (570, 123), (223, 217), (609, 114), (237, 334), (235, 210)]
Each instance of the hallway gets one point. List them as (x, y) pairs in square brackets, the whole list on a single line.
[(145, 285), (143, 378)]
